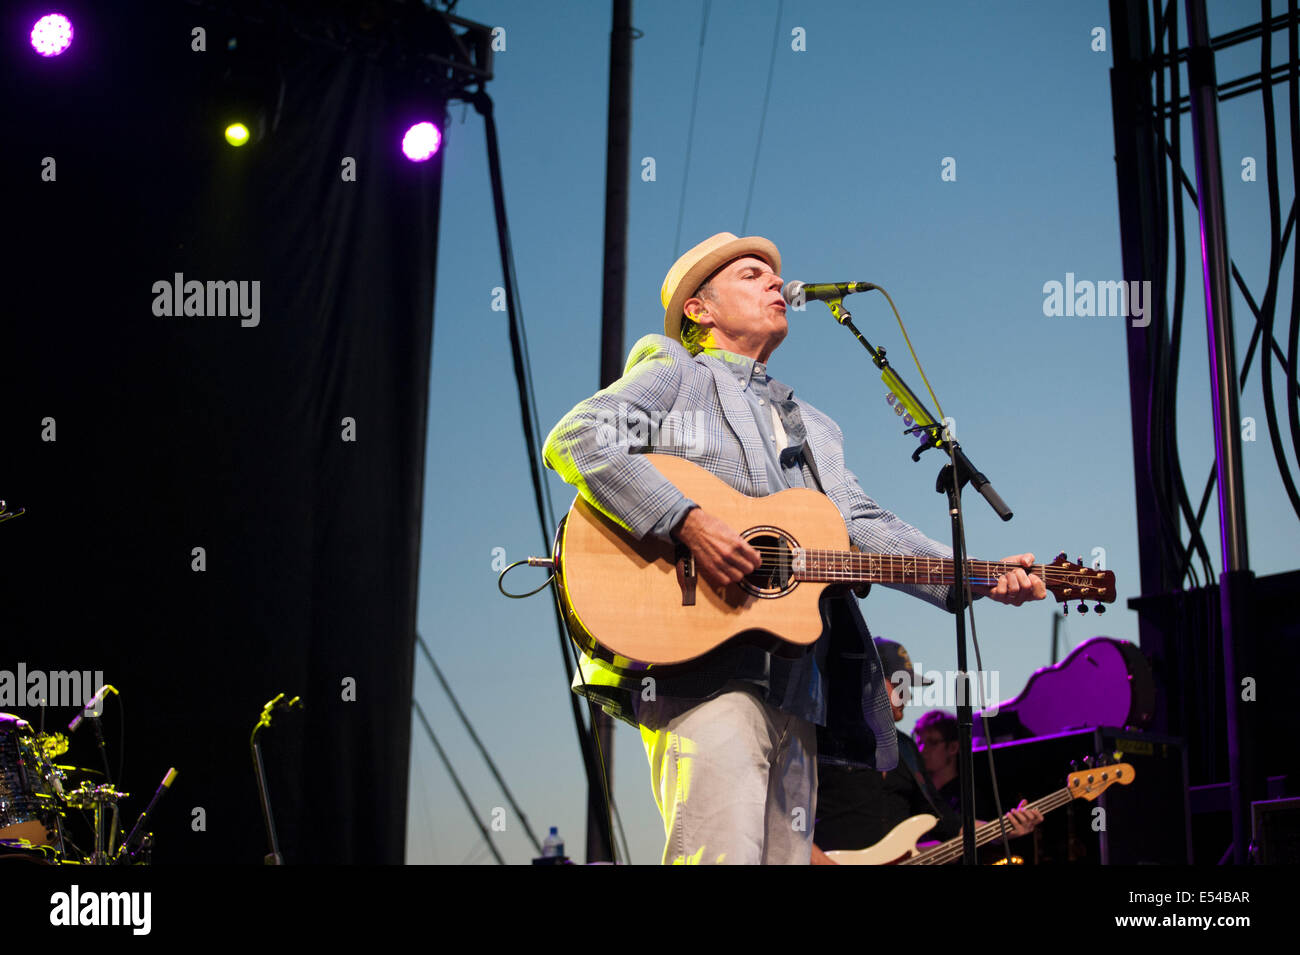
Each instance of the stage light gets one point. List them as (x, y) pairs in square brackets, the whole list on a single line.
[(421, 142), (237, 134), (52, 34)]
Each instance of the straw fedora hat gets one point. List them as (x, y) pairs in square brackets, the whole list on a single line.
[(689, 272)]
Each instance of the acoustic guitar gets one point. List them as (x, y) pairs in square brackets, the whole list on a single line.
[(635, 602), (899, 847)]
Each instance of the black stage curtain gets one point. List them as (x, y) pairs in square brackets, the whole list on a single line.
[(183, 432)]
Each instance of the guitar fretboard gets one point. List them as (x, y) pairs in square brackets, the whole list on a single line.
[(852, 567), (952, 850)]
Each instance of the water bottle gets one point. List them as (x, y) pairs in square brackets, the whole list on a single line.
[(553, 845)]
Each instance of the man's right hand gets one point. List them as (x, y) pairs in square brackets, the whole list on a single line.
[(721, 555)]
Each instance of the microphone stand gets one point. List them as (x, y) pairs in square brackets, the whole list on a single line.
[(105, 824), (278, 703), (104, 840), (953, 476)]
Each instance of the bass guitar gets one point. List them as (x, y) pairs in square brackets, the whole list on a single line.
[(899, 847)]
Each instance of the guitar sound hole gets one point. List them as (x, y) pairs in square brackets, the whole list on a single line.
[(773, 577)]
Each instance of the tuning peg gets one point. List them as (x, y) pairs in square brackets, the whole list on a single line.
[(1088, 761), (1065, 610), (1061, 556), (1083, 607), (1100, 608), (1079, 560), (1074, 765)]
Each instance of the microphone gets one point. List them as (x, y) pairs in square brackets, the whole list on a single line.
[(795, 292), (280, 703), (92, 706), (130, 848)]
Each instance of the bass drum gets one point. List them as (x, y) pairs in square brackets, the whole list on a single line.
[(24, 853)]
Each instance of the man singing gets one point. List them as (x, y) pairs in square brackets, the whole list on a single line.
[(732, 739)]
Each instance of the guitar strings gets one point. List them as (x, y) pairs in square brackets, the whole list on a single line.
[(829, 566), (933, 566), (888, 561), (986, 833), (989, 831)]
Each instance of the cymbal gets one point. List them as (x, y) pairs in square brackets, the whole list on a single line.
[(81, 770)]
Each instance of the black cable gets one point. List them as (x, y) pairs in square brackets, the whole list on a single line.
[(1293, 337), (1255, 338), (1161, 453), (1273, 346), (121, 739), (1268, 308), (1190, 189), (595, 753), (762, 116), (690, 131), (969, 599), (593, 758), (598, 761), (1168, 436), (518, 341), (1196, 545), (469, 803), (1263, 315), (492, 766), (501, 581), (1162, 447), (618, 818)]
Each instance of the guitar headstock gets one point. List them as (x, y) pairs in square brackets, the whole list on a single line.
[(1091, 782), (1075, 581)]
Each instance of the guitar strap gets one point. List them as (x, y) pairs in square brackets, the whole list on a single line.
[(793, 429), (802, 453)]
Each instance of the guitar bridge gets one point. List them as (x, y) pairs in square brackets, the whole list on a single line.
[(686, 577)]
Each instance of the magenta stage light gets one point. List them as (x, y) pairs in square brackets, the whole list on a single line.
[(421, 141), (52, 34)]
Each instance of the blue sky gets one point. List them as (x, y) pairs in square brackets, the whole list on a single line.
[(848, 185)]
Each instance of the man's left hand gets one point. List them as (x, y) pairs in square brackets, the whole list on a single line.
[(1015, 587), (1021, 820)]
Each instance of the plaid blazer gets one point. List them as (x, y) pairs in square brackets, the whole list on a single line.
[(712, 425)]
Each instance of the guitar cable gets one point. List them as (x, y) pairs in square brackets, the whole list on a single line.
[(612, 817), (615, 817), (531, 562)]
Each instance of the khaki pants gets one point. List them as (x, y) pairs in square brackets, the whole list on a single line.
[(734, 778)]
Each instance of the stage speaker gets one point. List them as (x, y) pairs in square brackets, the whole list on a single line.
[(1146, 822), (1275, 832)]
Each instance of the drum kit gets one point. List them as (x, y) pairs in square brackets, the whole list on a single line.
[(43, 818)]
